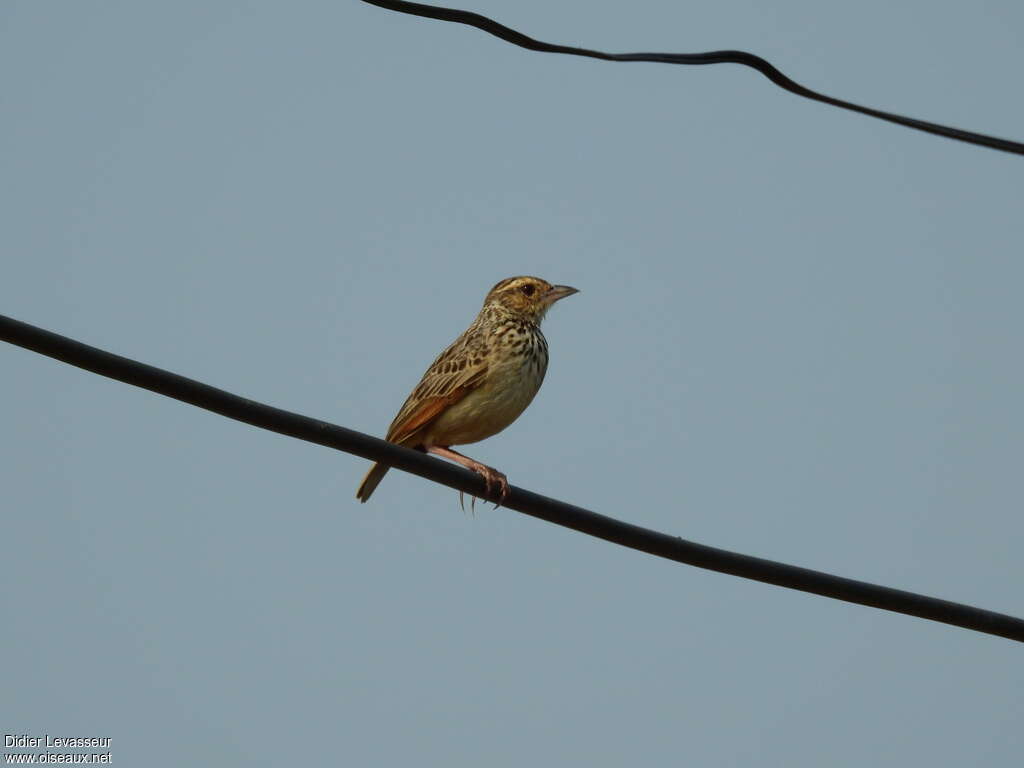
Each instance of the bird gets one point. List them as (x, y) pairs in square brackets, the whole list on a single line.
[(480, 383)]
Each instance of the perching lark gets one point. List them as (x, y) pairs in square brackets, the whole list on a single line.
[(481, 383)]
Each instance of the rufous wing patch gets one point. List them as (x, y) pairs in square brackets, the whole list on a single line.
[(454, 373), (424, 413), (429, 400)]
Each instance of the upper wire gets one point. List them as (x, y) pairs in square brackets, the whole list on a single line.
[(710, 57)]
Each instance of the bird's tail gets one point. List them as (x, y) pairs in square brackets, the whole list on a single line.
[(371, 481)]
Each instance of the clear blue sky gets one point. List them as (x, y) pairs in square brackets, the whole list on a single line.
[(798, 336)]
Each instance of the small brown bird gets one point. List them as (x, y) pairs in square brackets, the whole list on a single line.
[(481, 383)]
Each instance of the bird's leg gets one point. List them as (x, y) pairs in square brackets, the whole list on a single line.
[(490, 474)]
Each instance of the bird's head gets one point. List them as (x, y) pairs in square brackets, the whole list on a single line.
[(526, 297)]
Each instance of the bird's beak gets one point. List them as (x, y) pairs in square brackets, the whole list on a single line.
[(557, 292)]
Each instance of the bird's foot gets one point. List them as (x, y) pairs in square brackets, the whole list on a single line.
[(492, 478)]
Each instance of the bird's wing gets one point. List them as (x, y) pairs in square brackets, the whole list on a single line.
[(458, 370)]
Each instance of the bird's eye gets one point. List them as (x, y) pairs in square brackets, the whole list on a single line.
[(528, 289)]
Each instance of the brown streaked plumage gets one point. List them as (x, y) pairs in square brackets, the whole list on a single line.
[(481, 383)]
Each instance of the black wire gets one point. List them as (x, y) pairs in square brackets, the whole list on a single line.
[(557, 512), (710, 57)]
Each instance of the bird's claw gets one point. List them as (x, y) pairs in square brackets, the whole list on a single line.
[(494, 477), (472, 504)]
